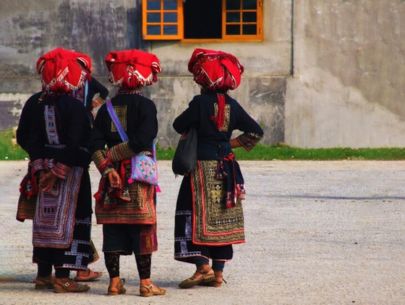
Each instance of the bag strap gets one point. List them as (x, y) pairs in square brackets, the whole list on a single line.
[(86, 92), (116, 121), (124, 138)]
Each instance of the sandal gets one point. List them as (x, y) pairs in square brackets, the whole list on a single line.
[(151, 290), (216, 282), (68, 285), (44, 282), (197, 279), (87, 275), (117, 288)]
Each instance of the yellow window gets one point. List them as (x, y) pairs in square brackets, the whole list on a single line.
[(242, 19), (162, 19), (192, 20)]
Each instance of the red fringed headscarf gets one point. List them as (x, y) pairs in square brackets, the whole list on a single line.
[(61, 70), (215, 70), (132, 69)]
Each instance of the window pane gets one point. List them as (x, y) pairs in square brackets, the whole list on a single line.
[(153, 4), (249, 17), (153, 30), (249, 4), (249, 29), (170, 30), (170, 17), (153, 17), (233, 30), (232, 17), (170, 4), (233, 4)]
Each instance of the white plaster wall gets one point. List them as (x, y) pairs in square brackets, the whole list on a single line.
[(349, 63)]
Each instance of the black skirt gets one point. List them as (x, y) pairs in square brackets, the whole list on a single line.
[(184, 249)]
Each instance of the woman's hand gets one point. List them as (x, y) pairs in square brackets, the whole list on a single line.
[(47, 181), (114, 179), (234, 143)]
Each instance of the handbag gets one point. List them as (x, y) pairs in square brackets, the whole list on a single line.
[(143, 167), (185, 156)]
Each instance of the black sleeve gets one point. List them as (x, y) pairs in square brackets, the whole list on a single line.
[(98, 133), (246, 123), (28, 135), (97, 87), (77, 138), (147, 128), (189, 118)]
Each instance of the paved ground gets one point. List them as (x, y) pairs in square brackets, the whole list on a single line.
[(318, 233)]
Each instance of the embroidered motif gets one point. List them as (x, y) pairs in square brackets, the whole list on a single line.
[(141, 209), (79, 254), (121, 151), (55, 212), (248, 140), (227, 116), (213, 224), (50, 124), (122, 116)]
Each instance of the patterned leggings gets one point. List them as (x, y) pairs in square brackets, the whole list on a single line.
[(143, 262)]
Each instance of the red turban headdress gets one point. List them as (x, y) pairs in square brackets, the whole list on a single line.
[(132, 69), (215, 70), (61, 70)]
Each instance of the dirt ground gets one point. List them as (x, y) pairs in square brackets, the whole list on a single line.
[(317, 233)]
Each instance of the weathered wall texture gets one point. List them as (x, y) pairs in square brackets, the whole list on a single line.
[(349, 63), (29, 28)]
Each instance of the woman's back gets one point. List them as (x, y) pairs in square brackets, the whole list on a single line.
[(214, 135)]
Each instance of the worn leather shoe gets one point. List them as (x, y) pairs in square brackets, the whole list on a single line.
[(197, 279), (68, 285)]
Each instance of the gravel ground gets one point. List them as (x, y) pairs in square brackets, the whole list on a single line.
[(317, 233)]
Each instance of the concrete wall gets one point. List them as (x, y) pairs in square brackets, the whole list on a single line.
[(262, 91), (349, 74), (30, 28), (347, 57)]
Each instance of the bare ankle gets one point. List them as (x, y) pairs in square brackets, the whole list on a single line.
[(204, 268), (145, 282)]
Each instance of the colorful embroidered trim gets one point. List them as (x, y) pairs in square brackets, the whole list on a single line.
[(213, 224), (60, 170), (248, 140), (140, 210), (50, 124), (55, 212), (120, 152)]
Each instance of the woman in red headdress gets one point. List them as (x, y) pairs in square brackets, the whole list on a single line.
[(209, 216), (127, 208), (54, 129)]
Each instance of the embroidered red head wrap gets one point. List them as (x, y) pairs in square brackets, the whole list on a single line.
[(132, 69), (63, 70), (215, 70)]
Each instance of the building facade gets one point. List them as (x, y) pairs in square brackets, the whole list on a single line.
[(317, 73)]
